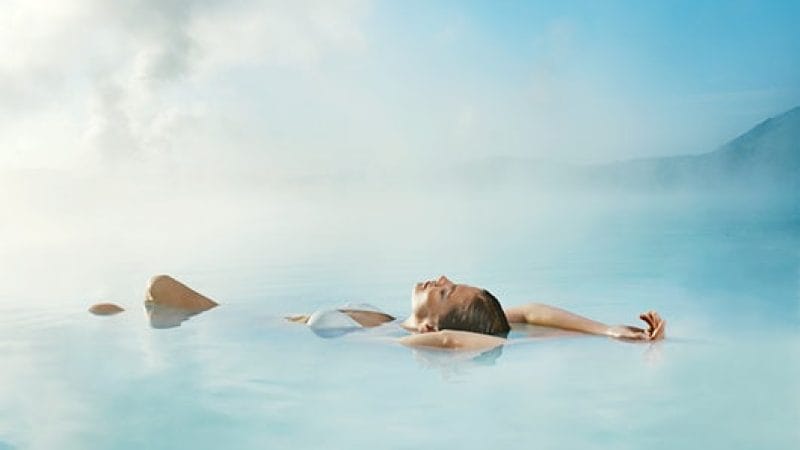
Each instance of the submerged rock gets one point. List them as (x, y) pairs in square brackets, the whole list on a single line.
[(105, 309), (169, 302)]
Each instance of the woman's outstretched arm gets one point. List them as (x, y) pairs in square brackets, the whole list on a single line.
[(550, 316)]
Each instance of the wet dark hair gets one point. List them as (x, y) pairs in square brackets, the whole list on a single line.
[(482, 314)]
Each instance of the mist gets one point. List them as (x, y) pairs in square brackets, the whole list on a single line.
[(185, 137)]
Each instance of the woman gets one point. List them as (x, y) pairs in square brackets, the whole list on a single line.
[(457, 316)]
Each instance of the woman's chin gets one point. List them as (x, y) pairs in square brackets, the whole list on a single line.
[(409, 324)]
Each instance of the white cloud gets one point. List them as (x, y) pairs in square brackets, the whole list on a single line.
[(323, 83), (279, 34), (124, 74)]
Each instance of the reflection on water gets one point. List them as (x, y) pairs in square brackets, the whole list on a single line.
[(726, 279), (165, 316), (451, 362)]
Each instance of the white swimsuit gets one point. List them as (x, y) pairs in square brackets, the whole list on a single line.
[(333, 322)]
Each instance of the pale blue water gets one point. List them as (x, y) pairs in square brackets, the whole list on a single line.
[(727, 279)]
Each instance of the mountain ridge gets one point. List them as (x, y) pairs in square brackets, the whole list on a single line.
[(765, 156)]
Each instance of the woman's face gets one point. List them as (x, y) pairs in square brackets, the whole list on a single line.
[(433, 299)]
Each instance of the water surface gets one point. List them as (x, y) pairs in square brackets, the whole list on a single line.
[(726, 277)]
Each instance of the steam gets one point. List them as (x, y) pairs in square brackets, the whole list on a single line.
[(130, 78)]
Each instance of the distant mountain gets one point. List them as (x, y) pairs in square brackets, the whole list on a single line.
[(766, 157), (771, 149)]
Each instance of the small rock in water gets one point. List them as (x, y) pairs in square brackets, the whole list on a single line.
[(105, 309)]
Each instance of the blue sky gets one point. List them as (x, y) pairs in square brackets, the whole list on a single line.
[(686, 47), (326, 85), (706, 70)]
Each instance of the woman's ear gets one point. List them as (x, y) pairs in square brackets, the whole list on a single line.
[(426, 327)]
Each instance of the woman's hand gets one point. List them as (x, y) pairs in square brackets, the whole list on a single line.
[(656, 327)]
